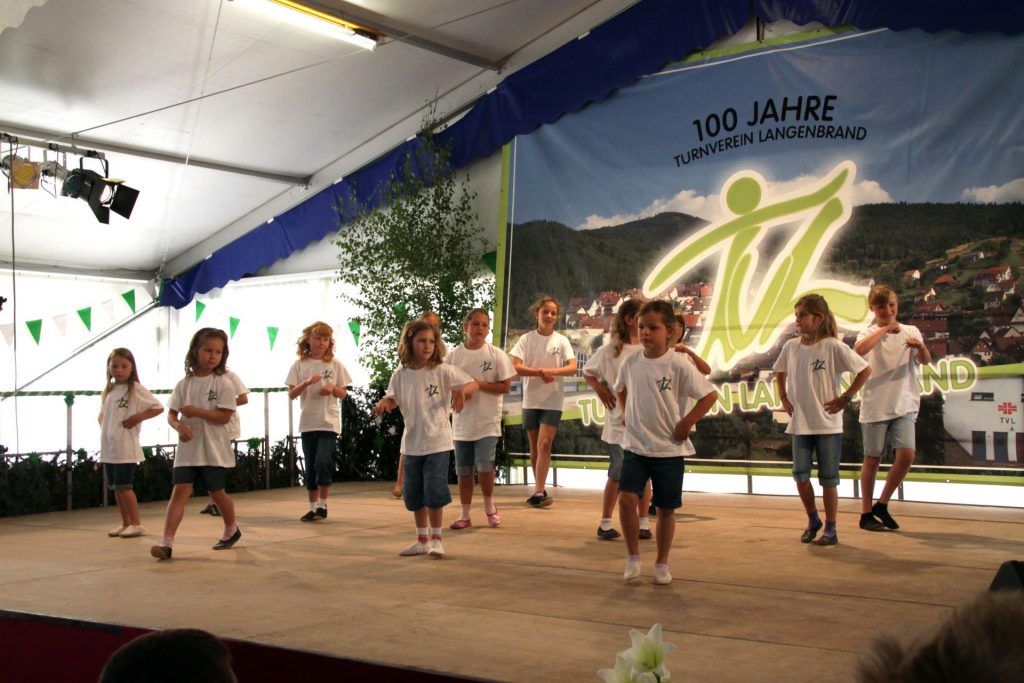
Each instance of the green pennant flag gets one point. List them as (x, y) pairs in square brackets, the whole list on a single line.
[(400, 308), (36, 328), (85, 314), (233, 323), (491, 259), (129, 298), (200, 307), (272, 333), (354, 326)]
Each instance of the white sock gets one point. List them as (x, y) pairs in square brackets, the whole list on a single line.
[(465, 511), (606, 523), (435, 533), (489, 505), (421, 534), (312, 506), (645, 523), (322, 503)]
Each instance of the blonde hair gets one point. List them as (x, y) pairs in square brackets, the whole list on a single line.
[(124, 353), (539, 303), (620, 330), (475, 311), (879, 295), (815, 304), (192, 357), (663, 310), (409, 332), (318, 328)]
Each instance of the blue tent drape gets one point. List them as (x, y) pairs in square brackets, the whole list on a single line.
[(638, 41)]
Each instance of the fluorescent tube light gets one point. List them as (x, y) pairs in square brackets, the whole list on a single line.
[(312, 19)]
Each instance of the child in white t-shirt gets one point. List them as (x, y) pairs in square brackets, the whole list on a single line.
[(478, 427), (653, 389), (126, 403), (425, 389), (889, 405), (320, 380), (234, 426), (807, 373), (542, 358), (199, 410)]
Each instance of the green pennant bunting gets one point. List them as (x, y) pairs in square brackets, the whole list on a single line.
[(200, 307), (272, 333), (354, 326), (36, 328), (129, 298), (233, 324), (491, 259), (85, 314)]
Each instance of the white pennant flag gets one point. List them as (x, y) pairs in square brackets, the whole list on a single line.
[(8, 332), (61, 321), (108, 308)]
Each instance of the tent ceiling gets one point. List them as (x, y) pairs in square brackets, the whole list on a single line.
[(217, 84)]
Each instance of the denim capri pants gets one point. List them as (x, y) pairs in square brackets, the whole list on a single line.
[(827, 446), (478, 454), (119, 475), (426, 481), (317, 451)]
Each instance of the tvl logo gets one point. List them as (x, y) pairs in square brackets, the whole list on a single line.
[(746, 317)]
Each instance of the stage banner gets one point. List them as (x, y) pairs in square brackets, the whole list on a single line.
[(734, 184)]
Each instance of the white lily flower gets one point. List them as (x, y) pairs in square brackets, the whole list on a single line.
[(648, 652), (622, 673)]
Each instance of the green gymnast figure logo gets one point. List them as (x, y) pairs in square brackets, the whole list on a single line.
[(745, 317)]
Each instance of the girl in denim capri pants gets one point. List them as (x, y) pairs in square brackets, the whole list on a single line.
[(653, 388), (478, 427), (126, 403), (425, 388), (888, 408), (199, 410), (807, 374), (320, 380), (542, 358)]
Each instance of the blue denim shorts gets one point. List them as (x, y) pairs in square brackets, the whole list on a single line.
[(425, 482), (614, 461), (881, 438), (666, 475), (318, 452), (477, 454), (828, 448), (214, 478), (119, 474), (533, 418)]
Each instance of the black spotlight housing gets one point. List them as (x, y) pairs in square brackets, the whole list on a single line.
[(102, 194)]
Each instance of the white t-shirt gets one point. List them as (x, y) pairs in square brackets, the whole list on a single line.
[(318, 413), (210, 443), (482, 414), (604, 365), (117, 444), (891, 391), (538, 351), (424, 397), (235, 424), (657, 390), (812, 380)]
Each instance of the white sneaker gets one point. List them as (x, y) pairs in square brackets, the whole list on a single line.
[(116, 532), (416, 548), (632, 570), (436, 549), (662, 577), (132, 532)]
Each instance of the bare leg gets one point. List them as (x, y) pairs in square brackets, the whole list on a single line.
[(531, 436), (665, 532), (900, 467), (806, 491), (868, 472), (435, 516), (312, 495), (323, 490), (466, 487), (122, 506), (545, 439), (421, 517), (611, 493), (226, 505), (131, 507), (645, 501), (486, 484), (176, 508), (629, 521), (830, 495)]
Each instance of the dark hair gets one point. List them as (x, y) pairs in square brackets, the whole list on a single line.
[(192, 357), (124, 353), (174, 655), (879, 295), (662, 309), (620, 331), (317, 328), (409, 332), (815, 304)]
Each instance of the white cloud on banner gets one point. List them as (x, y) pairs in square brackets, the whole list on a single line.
[(708, 207), (1012, 191)]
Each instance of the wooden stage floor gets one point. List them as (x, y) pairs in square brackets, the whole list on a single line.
[(538, 599)]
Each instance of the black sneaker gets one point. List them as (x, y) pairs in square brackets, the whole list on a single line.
[(882, 512), (160, 552), (208, 510), (224, 545), (827, 539), (308, 517), (321, 513), (869, 523), (810, 532), (540, 500), (607, 534), (646, 535)]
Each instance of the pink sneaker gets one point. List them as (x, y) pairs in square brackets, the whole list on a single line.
[(495, 519), (461, 524)]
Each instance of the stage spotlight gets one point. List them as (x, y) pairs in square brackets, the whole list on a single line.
[(102, 194)]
